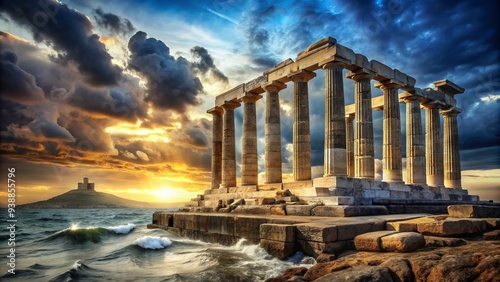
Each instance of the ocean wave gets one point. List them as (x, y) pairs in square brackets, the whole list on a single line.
[(122, 229), (153, 242)]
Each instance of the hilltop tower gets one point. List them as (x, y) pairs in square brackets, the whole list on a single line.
[(86, 185)]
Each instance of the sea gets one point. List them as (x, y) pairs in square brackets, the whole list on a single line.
[(115, 245)]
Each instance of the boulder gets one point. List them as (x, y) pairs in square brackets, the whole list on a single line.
[(400, 269), (402, 242), (359, 274), (278, 249), (492, 235), (443, 242), (324, 257), (290, 273), (474, 211)]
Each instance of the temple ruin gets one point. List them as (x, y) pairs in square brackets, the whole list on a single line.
[(433, 163)]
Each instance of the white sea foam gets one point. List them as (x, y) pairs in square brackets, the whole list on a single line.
[(121, 229), (153, 242)]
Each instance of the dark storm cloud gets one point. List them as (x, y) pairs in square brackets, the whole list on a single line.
[(69, 33), (113, 22), (171, 84), (205, 63), (15, 83), (112, 102)]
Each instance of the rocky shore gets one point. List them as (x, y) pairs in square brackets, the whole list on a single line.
[(470, 261)]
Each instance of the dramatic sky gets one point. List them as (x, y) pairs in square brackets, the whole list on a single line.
[(117, 90)]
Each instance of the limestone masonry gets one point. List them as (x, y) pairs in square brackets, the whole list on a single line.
[(433, 163)]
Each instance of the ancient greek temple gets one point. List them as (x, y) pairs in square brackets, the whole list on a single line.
[(432, 161)]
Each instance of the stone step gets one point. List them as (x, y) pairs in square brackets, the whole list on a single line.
[(329, 201)]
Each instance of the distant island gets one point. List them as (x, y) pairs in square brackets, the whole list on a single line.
[(86, 197)]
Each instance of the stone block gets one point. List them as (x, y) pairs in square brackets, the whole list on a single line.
[(266, 201), (452, 227), (362, 62), (347, 211), (333, 182), (400, 77), (304, 210), (351, 230), (402, 242), (254, 209), (298, 184), (382, 72), (316, 232), (345, 53), (474, 211), (492, 223), (270, 187), (314, 249), (278, 249), (400, 269), (223, 224), (277, 232), (288, 199), (248, 227), (371, 241)]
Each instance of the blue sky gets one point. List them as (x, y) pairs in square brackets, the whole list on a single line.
[(106, 84)]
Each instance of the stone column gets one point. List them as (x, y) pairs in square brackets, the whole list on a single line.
[(216, 146), (392, 164), (228, 146), (335, 131), (301, 127), (349, 132), (363, 126), (249, 162), (415, 144), (452, 171), (434, 146), (273, 132)]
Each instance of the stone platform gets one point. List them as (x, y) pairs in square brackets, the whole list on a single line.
[(316, 234), (340, 191)]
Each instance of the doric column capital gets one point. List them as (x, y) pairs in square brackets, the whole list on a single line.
[(228, 105), (350, 117), (409, 97), (387, 84), (302, 76), (273, 86), (331, 65), (450, 112), (216, 111), (360, 74), (250, 98), (431, 105)]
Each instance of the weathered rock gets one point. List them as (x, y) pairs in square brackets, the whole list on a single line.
[(452, 227), (444, 242), (248, 227), (316, 232), (492, 223), (402, 242), (266, 201), (277, 232), (453, 268), (278, 249), (408, 225), (371, 241), (359, 274), (291, 273), (325, 258), (492, 235), (400, 269), (474, 211)]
